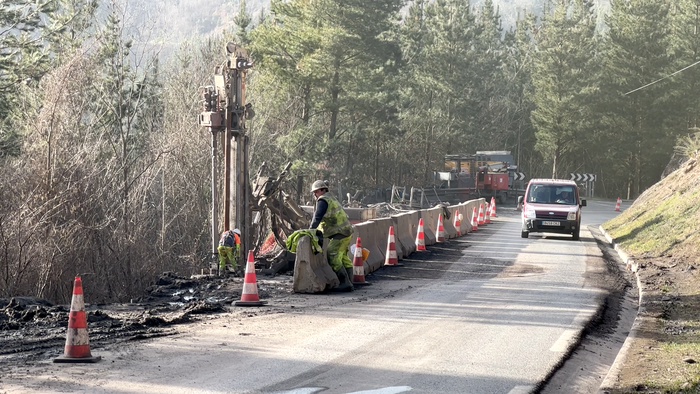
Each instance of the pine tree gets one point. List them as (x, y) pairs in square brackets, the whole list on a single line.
[(637, 52), (242, 21), (333, 61), (563, 79)]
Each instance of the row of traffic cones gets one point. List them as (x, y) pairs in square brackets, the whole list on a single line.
[(77, 347)]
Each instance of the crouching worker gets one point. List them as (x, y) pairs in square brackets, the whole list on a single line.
[(229, 249), (332, 221)]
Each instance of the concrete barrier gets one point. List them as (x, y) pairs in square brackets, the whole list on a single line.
[(413, 219), (447, 223), (429, 225), (466, 225), (451, 230), (355, 215), (383, 225), (402, 230), (369, 238), (312, 273)]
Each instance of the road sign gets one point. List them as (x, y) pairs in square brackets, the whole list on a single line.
[(519, 176), (582, 177)]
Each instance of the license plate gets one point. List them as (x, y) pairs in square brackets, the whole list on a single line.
[(550, 223)]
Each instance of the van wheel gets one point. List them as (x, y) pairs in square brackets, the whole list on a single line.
[(576, 234), (524, 234)]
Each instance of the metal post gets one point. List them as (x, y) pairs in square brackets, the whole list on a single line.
[(214, 202), (227, 173)]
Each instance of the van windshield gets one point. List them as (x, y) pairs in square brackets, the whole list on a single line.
[(552, 194)]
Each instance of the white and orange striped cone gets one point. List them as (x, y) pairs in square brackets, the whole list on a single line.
[(420, 236), (77, 349), (249, 295), (391, 259), (475, 221), (358, 266), (458, 223), (481, 215), (487, 213), (493, 207), (617, 206), (440, 234)]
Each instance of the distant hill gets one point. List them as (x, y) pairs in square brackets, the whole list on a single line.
[(167, 23)]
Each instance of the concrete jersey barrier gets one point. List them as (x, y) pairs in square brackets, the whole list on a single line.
[(369, 234), (447, 223), (451, 230), (402, 230), (383, 225), (428, 217)]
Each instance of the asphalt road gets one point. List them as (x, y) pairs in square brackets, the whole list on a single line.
[(502, 331)]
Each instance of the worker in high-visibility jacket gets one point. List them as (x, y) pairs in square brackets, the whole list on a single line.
[(330, 218), (229, 249)]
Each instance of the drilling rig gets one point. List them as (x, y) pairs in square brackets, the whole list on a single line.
[(224, 114)]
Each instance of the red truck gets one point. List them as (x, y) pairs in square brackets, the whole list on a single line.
[(484, 174)]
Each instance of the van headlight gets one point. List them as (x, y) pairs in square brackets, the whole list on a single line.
[(529, 213), (571, 216)]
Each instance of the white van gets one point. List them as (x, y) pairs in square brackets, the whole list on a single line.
[(551, 206)]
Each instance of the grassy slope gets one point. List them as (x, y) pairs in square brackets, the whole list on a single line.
[(661, 231), (665, 220)]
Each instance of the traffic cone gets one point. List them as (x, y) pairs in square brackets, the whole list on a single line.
[(77, 349), (493, 207), (475, 221), (440, 234), (249, 295), (358, 266), (487, 214), (481, 215), (420, 237), (391, 259), (617, 206), (458, 222)]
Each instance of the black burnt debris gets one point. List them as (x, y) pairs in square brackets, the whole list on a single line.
[(33, 328)]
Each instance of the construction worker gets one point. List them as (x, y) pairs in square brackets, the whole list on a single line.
[(330, 218), (229, 240)]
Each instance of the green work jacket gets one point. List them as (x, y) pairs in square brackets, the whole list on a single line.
[(335, 221)]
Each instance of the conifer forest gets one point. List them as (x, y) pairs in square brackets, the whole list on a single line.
[(105, 171)]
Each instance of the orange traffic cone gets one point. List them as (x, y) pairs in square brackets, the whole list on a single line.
[(475, 221), (391, 259), (487, 214), (617, 206), (77, 349), (249, 295), (481, 220), (420, 237), (458, 223), (493, 207), (358, 266), (440, 234)]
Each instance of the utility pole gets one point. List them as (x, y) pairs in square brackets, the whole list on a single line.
[(224, 113)]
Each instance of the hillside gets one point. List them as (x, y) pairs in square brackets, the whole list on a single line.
[(660, 231)]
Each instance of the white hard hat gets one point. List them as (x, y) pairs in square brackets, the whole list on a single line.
[(318, 185), (237, 231)]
